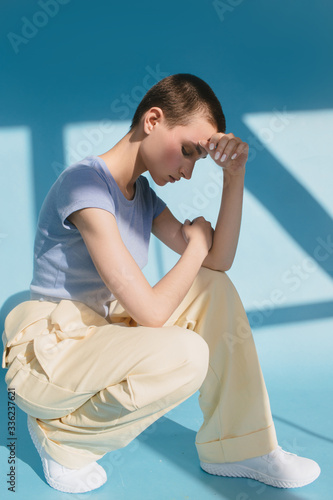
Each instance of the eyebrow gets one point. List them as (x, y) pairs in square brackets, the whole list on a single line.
[(199, 150)]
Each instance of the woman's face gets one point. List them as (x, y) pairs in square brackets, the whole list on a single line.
[(170, 154)]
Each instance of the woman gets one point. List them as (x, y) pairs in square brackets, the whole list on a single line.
[(97, 354)]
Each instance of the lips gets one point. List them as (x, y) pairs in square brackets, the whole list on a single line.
[(172, 179)]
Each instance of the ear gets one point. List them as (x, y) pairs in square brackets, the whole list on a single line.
[(152, 117)]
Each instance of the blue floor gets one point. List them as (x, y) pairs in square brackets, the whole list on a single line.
[(70, 82)]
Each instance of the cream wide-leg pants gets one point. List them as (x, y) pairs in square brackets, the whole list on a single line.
[(90, 385)]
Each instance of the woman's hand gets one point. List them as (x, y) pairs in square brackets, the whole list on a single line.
[(200, 232), (228, 151)]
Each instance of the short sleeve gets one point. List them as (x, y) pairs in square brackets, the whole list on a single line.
[(79, 188)]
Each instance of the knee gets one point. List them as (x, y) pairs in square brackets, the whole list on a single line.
[(210, 276), (215, 282), (194, 356)]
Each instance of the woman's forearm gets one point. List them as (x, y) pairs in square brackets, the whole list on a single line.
[(226, 235), (172, 288)]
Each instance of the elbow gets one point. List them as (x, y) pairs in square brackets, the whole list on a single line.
[(217, 262), (151, 317), (221, 269), (155, 324), (219, 266), (158, 311), (225, 266), (152, 321), (147, 309)]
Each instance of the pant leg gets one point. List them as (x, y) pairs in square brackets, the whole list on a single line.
[(90, 386), (233, 398), (237, 419)]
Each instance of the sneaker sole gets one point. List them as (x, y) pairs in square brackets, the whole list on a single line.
[(54, 484), (229, 470)]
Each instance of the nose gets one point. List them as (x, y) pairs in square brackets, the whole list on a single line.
[(186, 171)]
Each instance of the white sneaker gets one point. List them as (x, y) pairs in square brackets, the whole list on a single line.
[(279, 468), (67, 480)]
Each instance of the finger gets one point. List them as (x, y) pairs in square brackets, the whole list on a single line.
[(225, 147), (241, 148), (229, 150), (214, 141), (232, 149), (220, 148), (225, 142), (187, 222), (205, 145)]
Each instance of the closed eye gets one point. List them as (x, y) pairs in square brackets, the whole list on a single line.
[(185, 153)]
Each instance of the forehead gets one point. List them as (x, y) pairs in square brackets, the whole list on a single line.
[(198, 128)]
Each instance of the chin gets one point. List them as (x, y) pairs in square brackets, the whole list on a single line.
[(162, 183), (159, 182)]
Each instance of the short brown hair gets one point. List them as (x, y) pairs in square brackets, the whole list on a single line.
[(180, 96)]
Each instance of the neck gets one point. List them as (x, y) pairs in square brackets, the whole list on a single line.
[(124, 162)]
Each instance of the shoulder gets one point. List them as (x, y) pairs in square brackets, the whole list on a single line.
[(82, 185), (84, 179), (85, 169)]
